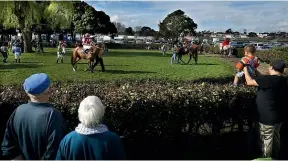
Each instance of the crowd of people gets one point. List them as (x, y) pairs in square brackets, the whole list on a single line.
[(16, 50), (37, 131)]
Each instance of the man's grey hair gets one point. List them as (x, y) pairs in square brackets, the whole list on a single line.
[(91, 111)]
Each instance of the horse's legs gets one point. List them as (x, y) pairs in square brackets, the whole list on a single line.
[(62, 58), (196, 57), (89, 65), (73, 63), (179, 58), (57, 57)]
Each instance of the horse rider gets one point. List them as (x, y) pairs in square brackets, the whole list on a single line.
[(86, 42), (226, 46), (63, 45), (61, 50), (226, 42)]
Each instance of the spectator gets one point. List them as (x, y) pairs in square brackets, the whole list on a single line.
[(34, 130), (271, 103), (91, 140), (4, 51), (252, 64), (17, 52)]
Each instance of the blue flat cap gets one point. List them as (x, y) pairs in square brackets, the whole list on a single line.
[(37, 83)]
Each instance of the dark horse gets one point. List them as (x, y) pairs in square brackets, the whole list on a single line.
[(192, 51), (78, 54)]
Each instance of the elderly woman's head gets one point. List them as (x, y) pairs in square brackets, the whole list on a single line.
[(91, 111)]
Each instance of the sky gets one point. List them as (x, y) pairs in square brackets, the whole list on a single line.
[(256, 16)]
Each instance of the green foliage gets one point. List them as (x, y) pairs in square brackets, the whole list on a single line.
[(25, 14), (87, 19), (59, 13), (152, 107), (147, 31), (129, 31), (176, 24)]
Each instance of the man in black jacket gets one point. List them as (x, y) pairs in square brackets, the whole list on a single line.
[(34, 130), (271, 106)]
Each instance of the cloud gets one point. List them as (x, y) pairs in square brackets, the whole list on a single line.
[(215, 16)]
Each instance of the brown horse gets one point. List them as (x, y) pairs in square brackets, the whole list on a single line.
[(192, 51), (78, 54)]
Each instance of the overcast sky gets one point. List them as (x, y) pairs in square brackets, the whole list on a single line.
[(215, 16)]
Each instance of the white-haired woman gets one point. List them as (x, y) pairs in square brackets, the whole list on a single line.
[(91, 140)]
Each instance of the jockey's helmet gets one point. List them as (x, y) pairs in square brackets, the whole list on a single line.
[(87, 35)]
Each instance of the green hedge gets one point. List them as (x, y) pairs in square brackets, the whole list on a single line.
[(274, 53), (158, 118), (152, 107)]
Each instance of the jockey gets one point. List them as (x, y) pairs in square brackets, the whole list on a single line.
[(63, 45), (226, 42), (86, 40)]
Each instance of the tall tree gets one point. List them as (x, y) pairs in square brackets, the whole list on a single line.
[(137, 30), (147, 31), (129, 31), (120, 27), (229, 31), (87, 19), (23, 14), (177, 24), (252, 34)]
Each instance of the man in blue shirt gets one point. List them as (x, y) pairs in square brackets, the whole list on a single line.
[(34, 130)]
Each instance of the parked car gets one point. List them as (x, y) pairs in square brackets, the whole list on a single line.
[(237, 44)]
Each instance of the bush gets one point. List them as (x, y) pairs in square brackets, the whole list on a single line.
[(155, 109), (151, 107), (269, 55)]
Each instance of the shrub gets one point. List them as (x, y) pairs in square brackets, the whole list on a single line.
[(158, 118), (269, 55), (152, 107)]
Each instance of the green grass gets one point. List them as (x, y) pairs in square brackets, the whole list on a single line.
[(119, 64)]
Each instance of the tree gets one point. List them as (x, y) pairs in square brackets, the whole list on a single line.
[(229, 31), (245, 31), (147, 31), (129, 31), (137, 30), (87, 19), (252, 34), (177, 24), (120, 27), (23, 14)]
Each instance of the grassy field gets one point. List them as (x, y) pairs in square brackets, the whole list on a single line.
[(119, 64)]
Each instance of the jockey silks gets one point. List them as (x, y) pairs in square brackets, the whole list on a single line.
[(225, 42)]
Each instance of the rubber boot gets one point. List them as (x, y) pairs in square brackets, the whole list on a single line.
[(19, 60), (16, 60)]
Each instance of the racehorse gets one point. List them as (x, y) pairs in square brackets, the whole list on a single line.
[(79, 54), (192, 51)]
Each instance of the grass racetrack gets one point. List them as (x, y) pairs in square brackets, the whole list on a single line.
[(119, 64)]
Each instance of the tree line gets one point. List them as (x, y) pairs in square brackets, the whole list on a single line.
[(49, 17)]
